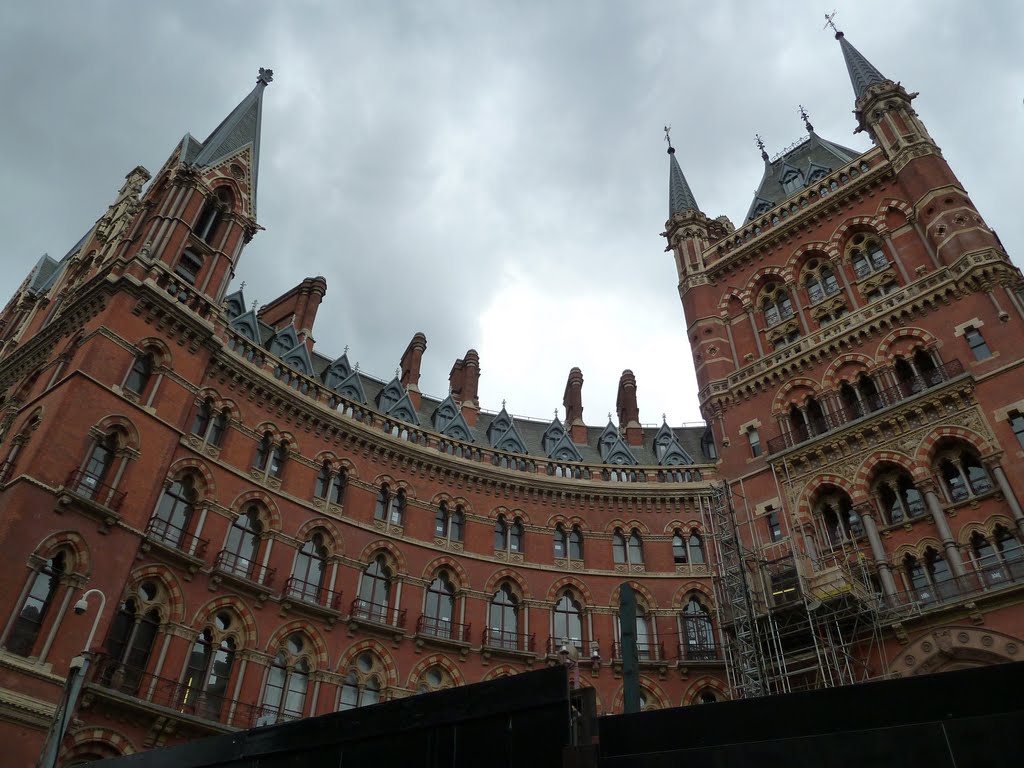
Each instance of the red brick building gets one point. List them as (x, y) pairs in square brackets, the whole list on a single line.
[(279, 535)]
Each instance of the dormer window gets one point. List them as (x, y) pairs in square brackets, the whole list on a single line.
[(792, 181)]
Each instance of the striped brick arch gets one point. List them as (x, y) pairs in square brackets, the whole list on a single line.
[(123, 425), (510, 575), (509, 514), (853, 489), (760, 279), (857, 362), (870, 467), (690, 588), (206, 485), (915, 336), (568, 522), (98, 740), (175, 605), (927, 447), (642, 592), (892, 204), (807, 252), (160, 351), (578, 586), (377, 648), (434, 659), (393, 554), (332, 534), (319, 657), (68, 540), (453, 566), (727, 297), (239, 610), (626, 526), (693, 691), (851, 227), (268, 426), (268, 508), (783, 398), (673, 525), (651, 688)]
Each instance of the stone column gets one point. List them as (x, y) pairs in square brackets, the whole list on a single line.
[(942, 526), (877, 550), (757, 333), (1008, 494)]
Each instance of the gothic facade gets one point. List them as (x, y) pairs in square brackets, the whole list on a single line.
[(262, 531)]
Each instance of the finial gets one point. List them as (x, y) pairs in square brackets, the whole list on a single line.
[(668, 139), (807, 120), (346, 350), (266, 76), (254, 303), (760, 145), (556, 414), (356, 369), (664, 419), (503, 405), (242, 286), (398, 373), (609, 415), (830, 23)]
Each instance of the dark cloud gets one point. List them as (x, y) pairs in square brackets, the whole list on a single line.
[(491, 174)]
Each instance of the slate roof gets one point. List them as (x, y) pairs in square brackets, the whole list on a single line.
[(530, 430), (680, 198), (862, 72), (812, 158)]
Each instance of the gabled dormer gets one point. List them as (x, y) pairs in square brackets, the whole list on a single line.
[(617, 452), (816, 172), (404, 410), (234, 304), (563, 450), (298, 358), (511, 441), (248, 325), (608, 436), (351, 388), (337, 371), (498, 426), (390, 395), (458, 429), (668, 449), (553, 434), (791, 179), (444, 413), (284, 341)]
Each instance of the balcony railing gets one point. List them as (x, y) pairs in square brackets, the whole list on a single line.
[(376, 613), (243, 568), (844, 413), (89, 486), (429, 626), (980, 582), (646, 651), (506, 640), (311, 593), (176, 538), (698, 652), (186, 699)]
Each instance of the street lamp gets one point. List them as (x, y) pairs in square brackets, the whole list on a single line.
[(570, 655), (72, 685)]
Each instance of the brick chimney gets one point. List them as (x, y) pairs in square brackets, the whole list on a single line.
[(464, 381), (410, 366), (299, 306), (573, 402), (629, 413)]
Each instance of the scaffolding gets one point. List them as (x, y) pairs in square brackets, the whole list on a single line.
[(790, 619)]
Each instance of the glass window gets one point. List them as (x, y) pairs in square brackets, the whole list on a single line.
[(375, 591), (456, 524), (380, 511), (977, 344), (619, 547), (678, 548), (515, 536), (203, 416), (243, 543), (503, 619), (575, 543), (698, 633), (439, 607), (308, 571), (1017, 425), (771, 519), (189, 266), (500, 533), (696, 547), (567, 621), (636, 548), (755, 441), (560, 541), (33, 611), (138, 376), (174, 513)]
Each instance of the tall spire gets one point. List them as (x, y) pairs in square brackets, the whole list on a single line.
[(239, 130), (680, 198), (862, 73)]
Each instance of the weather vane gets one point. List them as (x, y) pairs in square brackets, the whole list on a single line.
[(760, 145), (807, 120), (668, 131), (830, 23), (266, 76)]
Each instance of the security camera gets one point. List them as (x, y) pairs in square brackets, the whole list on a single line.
[(81, 606)]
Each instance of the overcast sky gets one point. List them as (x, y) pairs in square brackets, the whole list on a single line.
[(491, 174)]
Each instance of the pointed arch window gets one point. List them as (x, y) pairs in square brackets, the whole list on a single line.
[(284, 693), (868, 259), (503, 619), (330, 484), (695, 546), (375, 591), (508, 537), (173, 517), (94, 476), (1010, 551), (568, 622), (308, 570), (209, 423), (963, 475), (776, 304), (140, 373), (22, 638), (380, 511), (449, 524), (397, 514), (832, 513), (263, 451), (362, 685), (439, 607), (646, 646), (898, 497), (130, 642), (679, 554), (627, 550), (575, 543), (243, 544), (561, 542), (986, 561), (209, 670), (698, 633)]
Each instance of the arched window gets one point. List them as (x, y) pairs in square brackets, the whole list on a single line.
[(375, 591), (560, 541), (679, 555), (1010, 550), (500, 534), (707, 696), (646, 648), (457, 524), (776, 304), (439, 607), (898, 497), (22, 637), (832, 514), (867, 259), (362, 686), (503, 619), (170, 524), (243, 544), (568, 622), (931, 580), (284, 693), (130, 641), (963, 475), (986, 561), (820, 281), (575, 543), (435, 678), (209, 218), (698, 634), (515, 536), (695, 545), (397, 507), (277, 459), (308, 570), (209, 669), (209, 424), (380, 511), (189, 265), (140, 373), (508, 537), (323, 481), (93, 477), (330, 484), (441, 520), (619, 547), (635, 548), (263, 451)]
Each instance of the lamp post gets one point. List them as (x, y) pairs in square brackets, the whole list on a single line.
[(570, 656), (72, 684)]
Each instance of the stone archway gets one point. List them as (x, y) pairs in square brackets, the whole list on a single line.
[(956, 647)]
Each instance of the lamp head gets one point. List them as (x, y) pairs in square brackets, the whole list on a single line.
[(81, 606)]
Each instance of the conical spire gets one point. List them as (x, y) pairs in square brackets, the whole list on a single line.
[(680, 198), (239, 129), (862, 72)]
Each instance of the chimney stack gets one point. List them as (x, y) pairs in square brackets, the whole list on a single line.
[(629, 413), (410, 367), (464, 381), (573, 402)]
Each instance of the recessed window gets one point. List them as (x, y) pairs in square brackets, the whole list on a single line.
[(771, 519), (188, 267), (977, 343), (1017, 425), (138, 376), (755, 441)]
